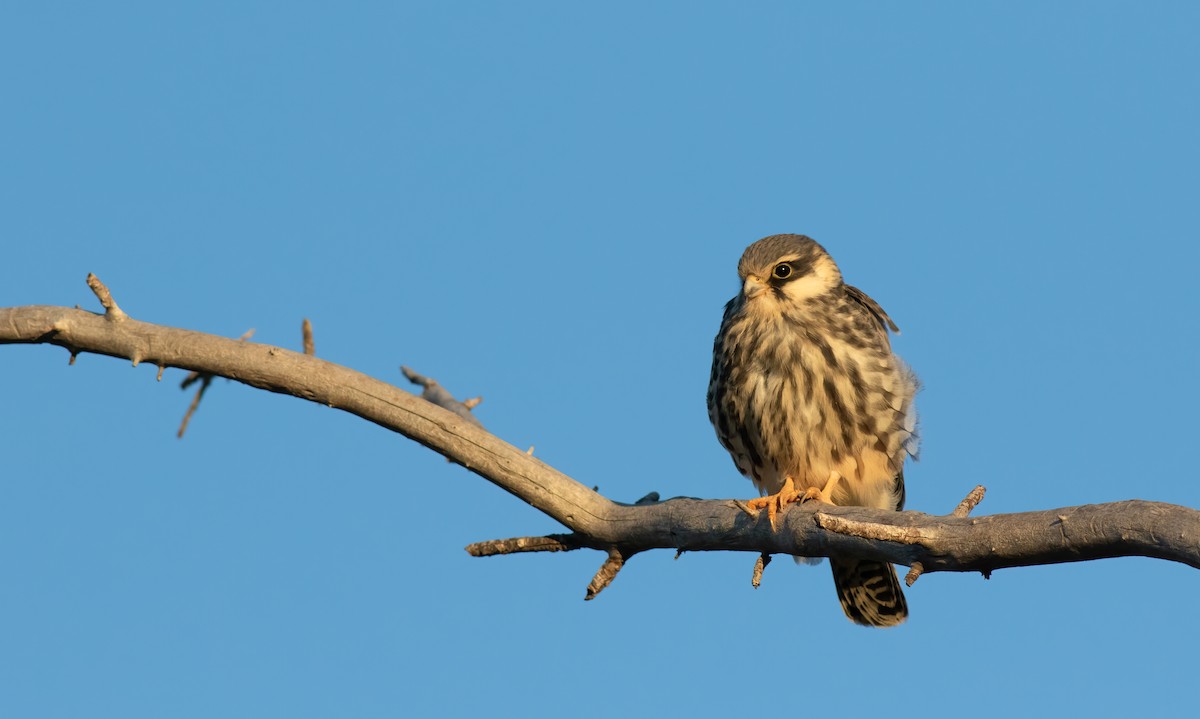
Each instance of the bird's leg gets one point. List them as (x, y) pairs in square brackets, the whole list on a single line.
[(775, 503), (825, 494)]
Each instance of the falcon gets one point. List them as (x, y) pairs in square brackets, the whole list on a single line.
[(811, 403)]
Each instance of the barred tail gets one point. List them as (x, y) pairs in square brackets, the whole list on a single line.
[(869, 592)]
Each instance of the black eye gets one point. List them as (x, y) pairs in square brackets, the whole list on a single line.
[(782, 271)]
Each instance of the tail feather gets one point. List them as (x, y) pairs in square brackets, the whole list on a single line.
[(869, 591)]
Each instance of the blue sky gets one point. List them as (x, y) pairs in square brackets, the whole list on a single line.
[(544, 204)]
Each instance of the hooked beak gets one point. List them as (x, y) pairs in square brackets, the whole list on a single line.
[(752, 286)]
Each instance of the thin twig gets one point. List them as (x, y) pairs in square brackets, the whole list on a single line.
[(971, 501), (111, 310), (517, 545), (745, 508), (914, 572), (205, 381), (606, 574), (433, 392), (307, 334), (759, 565)]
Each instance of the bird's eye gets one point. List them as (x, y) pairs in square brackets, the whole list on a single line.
[(782, 271)]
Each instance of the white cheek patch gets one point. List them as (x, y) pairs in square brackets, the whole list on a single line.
[(823, 278), (806, 287)]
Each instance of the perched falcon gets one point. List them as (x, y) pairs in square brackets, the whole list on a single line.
[(808, 398)]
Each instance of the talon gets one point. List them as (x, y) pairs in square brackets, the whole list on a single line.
[(774, 503), (824, 494)]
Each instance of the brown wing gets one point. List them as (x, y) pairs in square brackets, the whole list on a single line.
[(869, 590), (873, 307)]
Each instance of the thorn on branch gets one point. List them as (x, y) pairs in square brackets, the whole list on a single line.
[(111, 310), (307, 335), (606, 574), (971, 501), (759, 565), (433, 392), (517, 545), (914, 572)]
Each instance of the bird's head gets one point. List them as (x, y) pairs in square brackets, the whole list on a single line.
[(791, 268)]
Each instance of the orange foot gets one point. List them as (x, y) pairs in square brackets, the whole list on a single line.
[(774, 503), (825, 494)]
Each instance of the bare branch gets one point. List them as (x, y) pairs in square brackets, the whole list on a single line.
[(937, 543), (205, 380)]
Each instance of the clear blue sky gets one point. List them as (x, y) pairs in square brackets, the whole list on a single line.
[(544, 204)]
